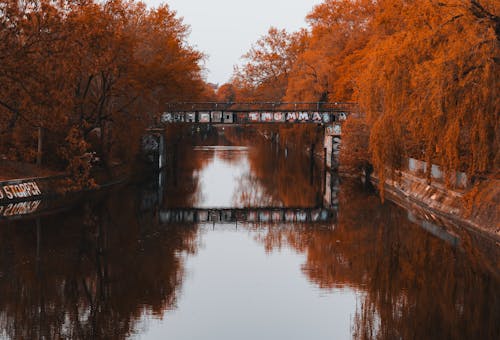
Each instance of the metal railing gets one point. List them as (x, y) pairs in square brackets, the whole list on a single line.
[(262, 106)]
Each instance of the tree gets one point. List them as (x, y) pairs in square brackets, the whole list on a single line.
[(226, 93), (430, 85), (93, 73), (265, 74), (325, 71)]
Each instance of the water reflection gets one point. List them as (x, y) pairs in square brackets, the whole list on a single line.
[(91, 273), (414, 285), (113, 269)]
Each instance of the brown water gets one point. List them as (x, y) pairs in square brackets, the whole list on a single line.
[(109, 269)]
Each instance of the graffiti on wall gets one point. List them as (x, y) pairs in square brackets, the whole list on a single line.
[(17, 209), (22, 190)]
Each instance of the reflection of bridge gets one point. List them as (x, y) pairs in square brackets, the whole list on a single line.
[(324, 213), (260, 112), (266, 215)]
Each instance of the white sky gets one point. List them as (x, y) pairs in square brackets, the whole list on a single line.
[(225, 29)]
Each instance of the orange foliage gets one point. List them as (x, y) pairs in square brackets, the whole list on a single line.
[(226, 93), (265, 75), (103, 68), (424, 72), (430, 85), (326, 70)]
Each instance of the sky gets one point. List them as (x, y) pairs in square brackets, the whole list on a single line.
[(226, 29)]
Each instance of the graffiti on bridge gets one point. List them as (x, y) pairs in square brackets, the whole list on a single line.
[(252, 117)]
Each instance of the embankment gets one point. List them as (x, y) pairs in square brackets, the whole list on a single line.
[(476, 209)]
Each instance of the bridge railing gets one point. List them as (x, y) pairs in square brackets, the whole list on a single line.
[(262, 106)]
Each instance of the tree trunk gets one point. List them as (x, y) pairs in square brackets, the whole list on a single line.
[(40, 146)]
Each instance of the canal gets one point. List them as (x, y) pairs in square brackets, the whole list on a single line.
[(232, 242)]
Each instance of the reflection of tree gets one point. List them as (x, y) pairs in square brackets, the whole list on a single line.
[(97, 272), (273, 178), (250, 193), (284, 179), (412, 285), (185, 161), (183, 166)]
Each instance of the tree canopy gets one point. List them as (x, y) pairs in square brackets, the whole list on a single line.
[(90, 75), (425, 73)]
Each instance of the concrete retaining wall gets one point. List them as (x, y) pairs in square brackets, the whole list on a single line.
[(439, 200), (456, 179)]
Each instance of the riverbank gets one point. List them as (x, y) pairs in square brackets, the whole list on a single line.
[(477, 209)]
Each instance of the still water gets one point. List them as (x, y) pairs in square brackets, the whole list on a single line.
[(134, 264)]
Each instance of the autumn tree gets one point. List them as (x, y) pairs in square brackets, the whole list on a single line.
[(32, 81), (90, 76), (226, 93), (426, 74), (326, 69), (264, 75), (355, 156), (430, 85)]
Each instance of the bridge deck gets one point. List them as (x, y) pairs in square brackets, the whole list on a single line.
[(261, 106)]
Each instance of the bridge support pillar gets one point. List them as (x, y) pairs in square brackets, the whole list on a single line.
[(154, 149), (311, 167), (332, 144)]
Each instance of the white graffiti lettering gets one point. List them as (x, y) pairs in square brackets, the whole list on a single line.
[(8, 193), (279, 116), (303, 116), (254, 116), (21, 208), (204, 117), (267, 117), (291, 116), (23, 190), (166, 117), (317, 117)]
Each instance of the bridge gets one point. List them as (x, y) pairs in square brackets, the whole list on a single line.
[(257, 112), (262, 215), (328, 115)]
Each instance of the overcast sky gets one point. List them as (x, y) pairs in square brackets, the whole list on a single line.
[(225, 29)]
